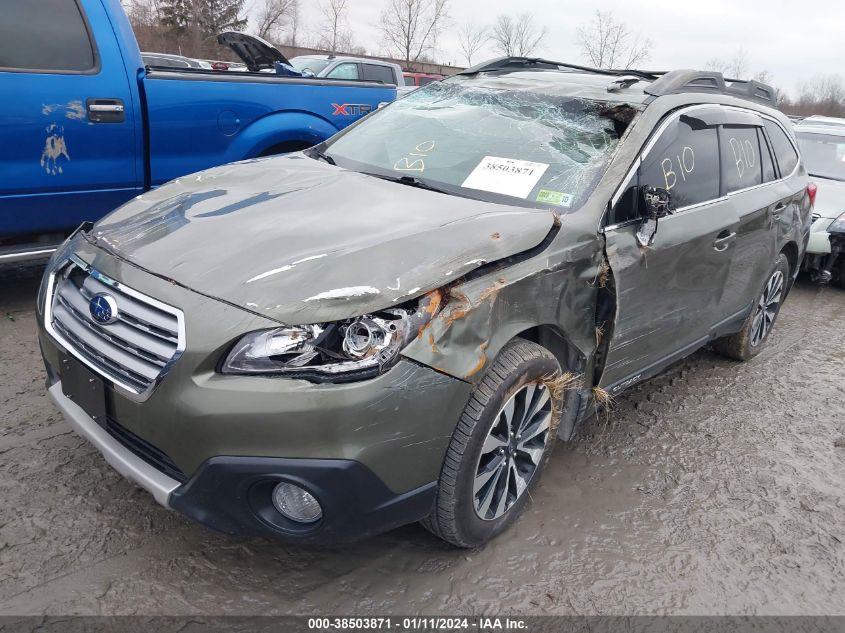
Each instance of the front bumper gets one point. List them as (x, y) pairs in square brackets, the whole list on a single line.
[(124, 461), (233, 494), (819, 243)]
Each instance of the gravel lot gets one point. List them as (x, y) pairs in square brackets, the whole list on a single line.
[(715, 488)]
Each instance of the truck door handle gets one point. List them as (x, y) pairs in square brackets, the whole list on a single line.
[(779, 209), (724, 239), (106, 110)]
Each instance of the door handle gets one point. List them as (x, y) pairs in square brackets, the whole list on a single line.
[(106, 110), (721, 243), (780, 207)]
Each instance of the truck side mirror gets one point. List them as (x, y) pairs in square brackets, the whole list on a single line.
[(657, 204)]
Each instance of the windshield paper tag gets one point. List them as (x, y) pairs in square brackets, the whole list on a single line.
[(546, 196), (506, 176)]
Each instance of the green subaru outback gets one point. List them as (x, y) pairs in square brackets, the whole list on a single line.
[(396, 325)]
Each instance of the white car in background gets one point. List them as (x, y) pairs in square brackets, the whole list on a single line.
[(822, 143)]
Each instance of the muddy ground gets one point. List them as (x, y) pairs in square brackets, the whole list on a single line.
[(716, 488)]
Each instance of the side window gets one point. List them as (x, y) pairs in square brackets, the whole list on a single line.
[(685, 162), (344, 71), (740, 157), (424, 81), (375, 72), (48, 35), (626, 207), (766, 160), (785, 153)]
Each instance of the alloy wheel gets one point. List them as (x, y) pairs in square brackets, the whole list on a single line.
[(512, 451), (767, 308)]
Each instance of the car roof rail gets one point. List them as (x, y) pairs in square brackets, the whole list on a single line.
[(708, 81), (539, 63)]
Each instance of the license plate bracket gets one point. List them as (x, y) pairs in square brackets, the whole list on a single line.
[(84, 388)]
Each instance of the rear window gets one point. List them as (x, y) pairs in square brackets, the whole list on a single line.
[(424, 81), (375, 72), (740, 157), (787, 157), (48, 35), (824, 155)]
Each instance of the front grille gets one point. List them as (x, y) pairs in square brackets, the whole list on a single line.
[(135, 350), (146, 451)]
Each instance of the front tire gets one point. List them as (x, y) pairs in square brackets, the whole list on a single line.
[(751, 339), (499, 447)]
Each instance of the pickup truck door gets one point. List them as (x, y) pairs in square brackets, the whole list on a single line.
[(669, 294), (70, 144)]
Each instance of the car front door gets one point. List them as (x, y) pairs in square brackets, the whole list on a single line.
[(70, 149), (669, 294)]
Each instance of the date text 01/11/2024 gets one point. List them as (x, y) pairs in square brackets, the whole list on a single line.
[(417, 623)]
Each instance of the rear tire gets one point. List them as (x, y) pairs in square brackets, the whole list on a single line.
[(500, 445), (751, 339)]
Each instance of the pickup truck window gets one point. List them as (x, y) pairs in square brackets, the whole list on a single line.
[(30, 40), (496, 145), (344, 71), (376, 72)]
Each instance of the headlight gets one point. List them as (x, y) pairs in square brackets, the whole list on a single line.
[(342, 351), (838, 225)]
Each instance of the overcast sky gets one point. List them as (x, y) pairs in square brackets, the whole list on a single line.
[(792, 40)]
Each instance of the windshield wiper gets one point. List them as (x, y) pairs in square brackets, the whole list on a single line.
[(826, 177), (412, 181), (321, 155)]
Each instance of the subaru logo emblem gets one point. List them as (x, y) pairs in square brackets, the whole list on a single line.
[(103, 308)]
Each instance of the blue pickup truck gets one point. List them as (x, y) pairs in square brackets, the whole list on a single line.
[(85, 126)]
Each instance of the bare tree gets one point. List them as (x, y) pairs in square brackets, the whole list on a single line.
[(471, 38), (608, 43), (410, 28), (334, 31), (734, 68), (272, 17), (516, 36), (291, 36), (823, 94)]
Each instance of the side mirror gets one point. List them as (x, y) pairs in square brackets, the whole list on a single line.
[(657, 203)]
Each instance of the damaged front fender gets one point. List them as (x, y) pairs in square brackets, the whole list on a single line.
[(556, 289)]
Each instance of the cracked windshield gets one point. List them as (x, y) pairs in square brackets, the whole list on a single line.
[(498, 145)]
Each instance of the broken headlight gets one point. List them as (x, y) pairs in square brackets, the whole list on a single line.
[(341, 351)]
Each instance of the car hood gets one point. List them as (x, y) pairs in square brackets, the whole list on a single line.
[(830, 197), (255, 52), (300, 241)]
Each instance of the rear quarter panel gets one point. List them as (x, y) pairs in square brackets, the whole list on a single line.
[(199, 120)]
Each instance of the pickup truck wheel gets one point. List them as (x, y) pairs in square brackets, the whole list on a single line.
[(499, 447), (751, 339)]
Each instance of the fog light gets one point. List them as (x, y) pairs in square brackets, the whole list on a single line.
[(296, 504)]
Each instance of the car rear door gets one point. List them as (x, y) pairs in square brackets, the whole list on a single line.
[(748, 177), (669, 294), (70, 150)]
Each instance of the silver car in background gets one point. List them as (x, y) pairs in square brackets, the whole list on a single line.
[(822, 143)]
